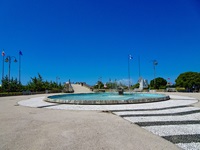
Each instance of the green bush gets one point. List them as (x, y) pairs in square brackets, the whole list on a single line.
[(10, 94), (162, 87), (180, 89)]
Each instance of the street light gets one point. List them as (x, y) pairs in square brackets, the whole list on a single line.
[(129, 81), (154, 68), (57, 78), (9, 59), (99, 82)]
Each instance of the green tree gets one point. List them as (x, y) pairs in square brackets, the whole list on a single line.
[(137, 85), (160, 83), (111, 85), (189, 80), (5, 84), (10, 86), (55, 86), (36, 84), (99, 85)]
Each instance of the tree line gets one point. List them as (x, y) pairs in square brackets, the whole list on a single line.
[(188, 81), (36, 84)]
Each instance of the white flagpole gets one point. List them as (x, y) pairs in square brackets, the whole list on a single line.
[(129, 57), (139, 67), (20, 53), (19, 66), (3, 54)]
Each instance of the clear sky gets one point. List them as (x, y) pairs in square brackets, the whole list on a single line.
[(84, 40)]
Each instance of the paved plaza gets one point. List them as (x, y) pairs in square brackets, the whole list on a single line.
[(27, 122)]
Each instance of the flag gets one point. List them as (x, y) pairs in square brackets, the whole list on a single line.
[(130, 57), (3, 53), (20, 53)]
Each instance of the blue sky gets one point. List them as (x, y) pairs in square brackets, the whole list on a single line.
[(83, 40)]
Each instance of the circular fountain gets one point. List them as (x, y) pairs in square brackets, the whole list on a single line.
[(107, 98)]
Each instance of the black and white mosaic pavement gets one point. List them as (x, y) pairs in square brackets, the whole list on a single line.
[(179, 125)]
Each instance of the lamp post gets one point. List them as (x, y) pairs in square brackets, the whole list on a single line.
[(154, 68), (3, 55), (9, 59), (129, 76), (57, 78), (99, 83)]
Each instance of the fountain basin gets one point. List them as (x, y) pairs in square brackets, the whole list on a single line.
[(106, 98)]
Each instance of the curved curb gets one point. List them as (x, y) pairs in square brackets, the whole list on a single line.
[(173, 102), (108, 102)]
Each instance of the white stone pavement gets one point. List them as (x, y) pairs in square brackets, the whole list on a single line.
[(39, 102), (168, 130)]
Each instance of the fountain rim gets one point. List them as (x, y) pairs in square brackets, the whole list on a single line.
[(163, 97)]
